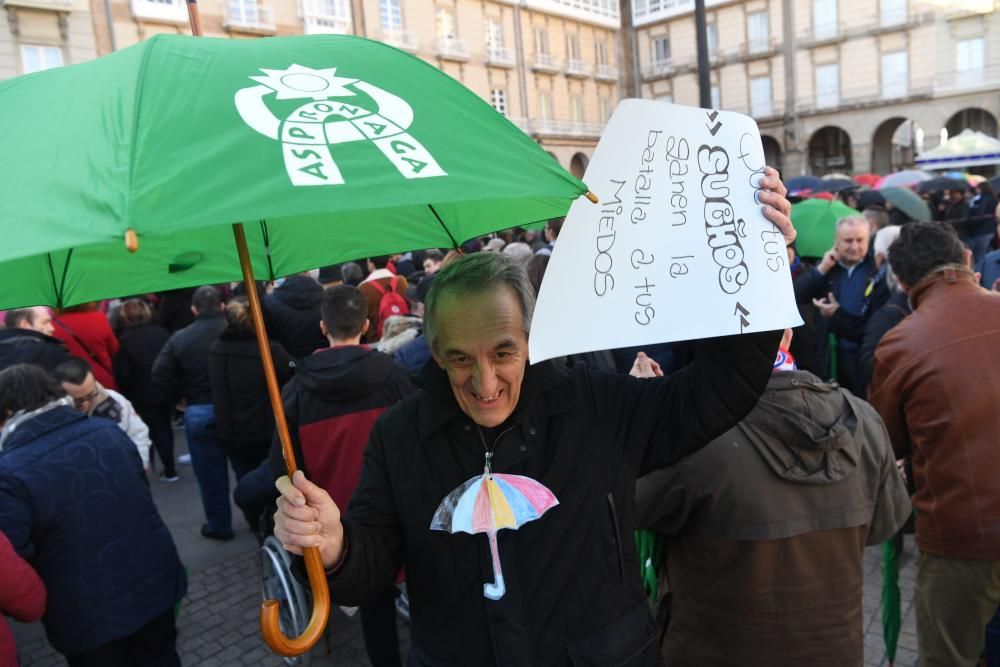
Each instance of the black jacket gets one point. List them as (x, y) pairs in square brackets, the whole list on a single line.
[(26, 346), (573, 589), (181, 367), (243, 416), (882, 320), (137, 351), (292, 314)]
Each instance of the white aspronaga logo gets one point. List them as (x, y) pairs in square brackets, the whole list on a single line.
[(308, 132)]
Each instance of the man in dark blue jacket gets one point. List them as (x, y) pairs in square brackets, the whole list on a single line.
[(75, 503), (843, 289)]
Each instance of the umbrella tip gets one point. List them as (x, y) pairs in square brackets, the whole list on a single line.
[(591, 196), (131, 240)]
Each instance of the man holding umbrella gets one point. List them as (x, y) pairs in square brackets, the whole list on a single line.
[(576, 440)]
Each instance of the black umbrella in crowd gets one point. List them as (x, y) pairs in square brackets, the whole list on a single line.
[(835, 185), (868, 198), (801, 183), (942, 183)]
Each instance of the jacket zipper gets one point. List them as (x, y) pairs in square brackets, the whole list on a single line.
[(617, 536), (489, 451)]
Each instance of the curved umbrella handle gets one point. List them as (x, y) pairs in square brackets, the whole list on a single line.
[(269, 626), (269, 611)]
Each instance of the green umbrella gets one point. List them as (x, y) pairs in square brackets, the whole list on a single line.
[(891, 611), (328, 147), (310, 150), (908, 202), (815, 220)]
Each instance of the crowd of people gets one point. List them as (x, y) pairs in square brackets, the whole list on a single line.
[(764, 462)]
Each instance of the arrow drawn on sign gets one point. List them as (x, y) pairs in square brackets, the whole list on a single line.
[(711, 117), (744, 322)]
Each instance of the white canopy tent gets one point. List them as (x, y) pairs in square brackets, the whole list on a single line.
[(968, 149)]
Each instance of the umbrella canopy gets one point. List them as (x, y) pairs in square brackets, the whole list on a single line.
[(902, 179), (487, 503), (835, 185), (327, 148), (967, 149), (836, 176), (803, 184), (868, 198), (941, 183), (815, 220), (867, 179), (909, 203)]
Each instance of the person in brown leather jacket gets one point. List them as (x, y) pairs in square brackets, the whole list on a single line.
[(767, 527), (937, 387)]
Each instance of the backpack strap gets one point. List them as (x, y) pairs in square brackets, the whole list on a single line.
[(378, 287), (393, 283)]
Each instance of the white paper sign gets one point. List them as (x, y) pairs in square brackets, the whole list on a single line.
[(678, 247)]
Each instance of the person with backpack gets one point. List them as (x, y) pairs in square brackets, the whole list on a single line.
[(385, 293), (86, 332)]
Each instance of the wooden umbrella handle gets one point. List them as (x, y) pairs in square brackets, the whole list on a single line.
[(269, 626)]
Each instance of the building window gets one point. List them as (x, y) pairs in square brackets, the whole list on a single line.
[(544, 105), (445, 22), (661, 50), (392, 16), (604, 104), (573, 46), (601, 52), (576, 108), (498, 98), (825, 19), (892, 12), (895, 74), (35, 58), (494, 34), (760, 97), (712, 34), (970, 58), (827, 86), (716, 97), (334, 9), (541, 41), (758, 32)]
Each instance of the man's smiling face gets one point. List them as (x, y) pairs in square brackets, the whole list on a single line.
[(482, 345)]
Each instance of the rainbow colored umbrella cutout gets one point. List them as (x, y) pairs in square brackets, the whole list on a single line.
[(487, 503)]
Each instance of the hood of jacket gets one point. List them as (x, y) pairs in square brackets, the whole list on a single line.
[(299, 292), (343, 373), (801, 434)]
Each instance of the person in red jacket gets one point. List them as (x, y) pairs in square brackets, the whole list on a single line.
[(332, 404), (22, 596), (88, 335)]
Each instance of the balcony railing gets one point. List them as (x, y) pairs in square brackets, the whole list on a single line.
[(171, 11), (759, 46), (499, 56), (566, 128), (249, 17), (967, 79), (401, 39), (545, 62), (577, 68), (58, 5), (325, 25), (606, 73), (658, 68), (894, 17), (452, 48)]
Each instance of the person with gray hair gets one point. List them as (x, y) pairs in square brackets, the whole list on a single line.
[(486, 429), (518, 250), (888, 315), (842, 288), (937, 386), (181, 370), (27, 339)]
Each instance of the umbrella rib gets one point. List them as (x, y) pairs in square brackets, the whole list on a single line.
[(454, 243), (62, 282), (52, 274), (267, 249)]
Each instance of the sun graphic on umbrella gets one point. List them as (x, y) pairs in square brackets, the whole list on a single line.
[(303, 83)]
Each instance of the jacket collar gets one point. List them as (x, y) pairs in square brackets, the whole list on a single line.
[(937, 281), (23, 426), (544, 390)]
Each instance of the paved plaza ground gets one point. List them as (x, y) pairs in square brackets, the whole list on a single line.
[(218, 624)]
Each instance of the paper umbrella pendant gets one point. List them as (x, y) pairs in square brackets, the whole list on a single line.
[(485, 504)]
